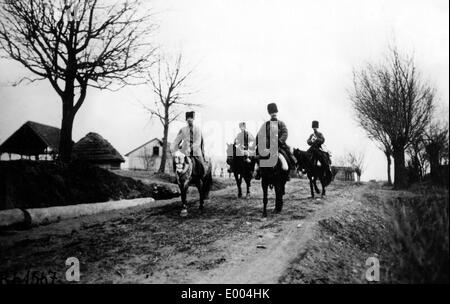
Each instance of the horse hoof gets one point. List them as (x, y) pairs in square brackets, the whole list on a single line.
[(264, 214), (239, 195), (184, 213)]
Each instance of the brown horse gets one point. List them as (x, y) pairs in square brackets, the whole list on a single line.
[(314, 172), (185, 168), (242, 168), (274, 177)]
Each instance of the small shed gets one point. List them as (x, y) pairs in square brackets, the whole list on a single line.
[(148, 156), (343, 173), (96, 150), (33, 139)]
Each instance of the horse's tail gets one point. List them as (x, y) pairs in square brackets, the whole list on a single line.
[(328, 177)]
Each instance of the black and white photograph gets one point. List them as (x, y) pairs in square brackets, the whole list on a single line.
[(254, 144)]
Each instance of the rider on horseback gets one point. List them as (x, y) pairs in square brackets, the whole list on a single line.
[(282, 135), (244, 144), (315, 141), (190, 139)]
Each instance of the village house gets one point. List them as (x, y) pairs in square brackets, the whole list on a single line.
[(97, 151), (343, 173), (148, 157)]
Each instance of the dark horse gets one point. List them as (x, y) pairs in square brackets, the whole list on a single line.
[(274, 177), (242, 168), (313, 171), (185, 171)]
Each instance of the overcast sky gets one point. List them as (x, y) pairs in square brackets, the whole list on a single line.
[(299, 54)]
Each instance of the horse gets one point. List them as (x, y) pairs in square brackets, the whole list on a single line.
[(274, 177), (313, 172), (185, 173), (242, 168)]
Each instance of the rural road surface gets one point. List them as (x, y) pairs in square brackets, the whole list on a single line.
[(229, 243)]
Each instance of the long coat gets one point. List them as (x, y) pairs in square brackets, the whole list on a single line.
[(271, 134), (245, 141), (191, 141), (316, 140)]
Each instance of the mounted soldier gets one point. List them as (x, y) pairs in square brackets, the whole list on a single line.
[(275, 133), (315, 141), (244, 143), (240, 158), (190, 164), (190, 142)]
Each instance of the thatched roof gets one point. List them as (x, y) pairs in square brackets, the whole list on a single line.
[(32, 138), (94, 148)]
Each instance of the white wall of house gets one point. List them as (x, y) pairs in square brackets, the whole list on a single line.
[(148, 157)]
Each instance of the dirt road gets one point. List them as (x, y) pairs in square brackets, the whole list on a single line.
[(229, 243)]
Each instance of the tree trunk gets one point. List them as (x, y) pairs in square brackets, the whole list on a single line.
[(65, 140), (400, 176), (433, 154), (389, 163), (162, 167), (69, 111)]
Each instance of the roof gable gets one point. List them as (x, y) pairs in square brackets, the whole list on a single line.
[(50, 135), (149, 142), (32, 138)]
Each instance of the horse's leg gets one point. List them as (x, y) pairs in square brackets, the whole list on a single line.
[(184, 211), (202, 194), (315, 185), (264, 189), (323, 187), (248, 180), (278, 197), (238, 178), (311, 186)]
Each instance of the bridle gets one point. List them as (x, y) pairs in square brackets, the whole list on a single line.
[(182, 164)]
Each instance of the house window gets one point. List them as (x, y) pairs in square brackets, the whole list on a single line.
[(155, 151)]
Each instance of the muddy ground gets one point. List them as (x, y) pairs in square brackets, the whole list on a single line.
[(311, 241)]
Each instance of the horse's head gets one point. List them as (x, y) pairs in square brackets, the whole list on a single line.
[(301, 157), (181, 162)]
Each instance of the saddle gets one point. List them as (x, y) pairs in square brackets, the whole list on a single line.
[(318, 154), (199, 169)]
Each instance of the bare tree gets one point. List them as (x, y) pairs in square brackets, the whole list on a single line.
[(356, 161), (392, 99), (169, 84), (76, 44)]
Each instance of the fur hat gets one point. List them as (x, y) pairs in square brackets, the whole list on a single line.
[(242, 124), (272, 108), (315, 124), (190, 115)]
